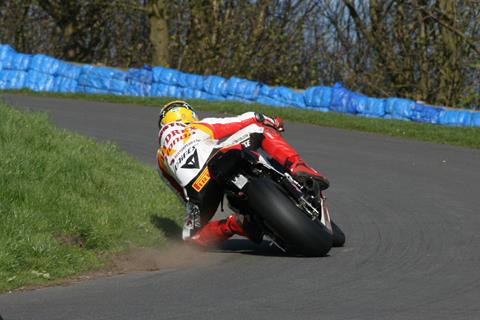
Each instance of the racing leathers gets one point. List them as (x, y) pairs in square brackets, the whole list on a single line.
[(183, 154)]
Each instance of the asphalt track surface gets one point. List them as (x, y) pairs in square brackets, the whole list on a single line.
[(410, 210)]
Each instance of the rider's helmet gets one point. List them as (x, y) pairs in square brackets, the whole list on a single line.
[(177, 110)]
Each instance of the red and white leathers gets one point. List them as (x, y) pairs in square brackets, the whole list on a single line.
[(184, 150)]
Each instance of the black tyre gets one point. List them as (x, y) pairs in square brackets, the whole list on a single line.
[(338, 235), (297, 231)]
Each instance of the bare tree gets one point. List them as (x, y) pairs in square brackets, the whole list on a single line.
[(419, 49)]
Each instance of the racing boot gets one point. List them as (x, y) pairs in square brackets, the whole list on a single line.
[(308, 177), (251, 230), (212, 234), (284, 154), (215, 232)]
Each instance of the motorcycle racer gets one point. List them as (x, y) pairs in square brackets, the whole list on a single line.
[(185, 147)]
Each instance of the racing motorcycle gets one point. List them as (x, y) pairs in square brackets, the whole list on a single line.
[(292, 216)]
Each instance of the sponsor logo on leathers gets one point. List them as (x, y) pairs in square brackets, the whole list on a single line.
[(202, 180)]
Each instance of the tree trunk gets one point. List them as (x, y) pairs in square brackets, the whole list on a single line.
[(70, 52), (450, 70), (422, 47), (159, 33)]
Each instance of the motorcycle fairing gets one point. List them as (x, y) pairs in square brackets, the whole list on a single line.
[(187, 149)]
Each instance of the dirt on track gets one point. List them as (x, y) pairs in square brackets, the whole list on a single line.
[(175, 255)]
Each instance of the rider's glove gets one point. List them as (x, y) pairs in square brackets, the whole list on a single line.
[(276, 123)]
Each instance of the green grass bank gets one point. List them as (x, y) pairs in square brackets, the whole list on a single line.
[(67, 203), (457, 136)]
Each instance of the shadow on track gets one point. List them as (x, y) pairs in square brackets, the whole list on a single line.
[(243, 246), (168, 226), (247, 247)]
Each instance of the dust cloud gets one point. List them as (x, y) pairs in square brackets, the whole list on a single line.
[(176, 255)]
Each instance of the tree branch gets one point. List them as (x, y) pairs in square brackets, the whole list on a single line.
[(452, 29)]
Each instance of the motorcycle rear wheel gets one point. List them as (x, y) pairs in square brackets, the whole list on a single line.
[(298, 233), (338, 235)]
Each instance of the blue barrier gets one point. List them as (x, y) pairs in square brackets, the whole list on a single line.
[(17, 62), (270, 102), (43, 73), (5, 50), (65, 85), (91, 90), (137, 89), (341, 100), (215, 85), (164, 90), (67, 70), (38, 81), (191, 81), (166, 75), (369, 107), (475, 119), (12, 79), (456, 118), (426, 114), (266, 96), (318, 97), (280, 97), (45, 64), (104, 79), (142, 75), (398, 108), (287, 97), (104, 72), (6, 55), (244, 89), (190, 93)]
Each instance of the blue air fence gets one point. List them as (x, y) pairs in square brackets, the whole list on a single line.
[(43, 73)]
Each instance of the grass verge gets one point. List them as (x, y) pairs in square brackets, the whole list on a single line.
[(458, 136), (67, 202)]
